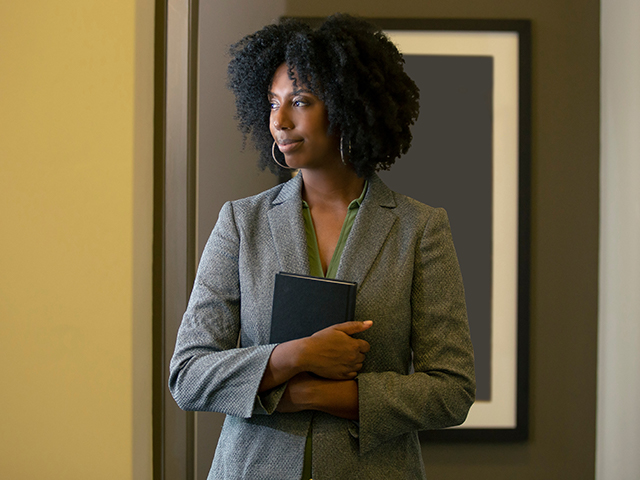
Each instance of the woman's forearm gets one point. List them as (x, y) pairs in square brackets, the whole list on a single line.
[(337, 397), (283, 364), (308, 392)]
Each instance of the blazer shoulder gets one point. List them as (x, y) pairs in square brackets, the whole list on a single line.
[(411, 208), (263, 198), (252, 211), (411, 212), (278, 194)]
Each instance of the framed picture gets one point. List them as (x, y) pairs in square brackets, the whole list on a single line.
[(471, 155)]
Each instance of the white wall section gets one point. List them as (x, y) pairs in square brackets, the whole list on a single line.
[(618, 422)]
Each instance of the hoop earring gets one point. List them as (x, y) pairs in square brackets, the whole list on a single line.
[(273, 154), (341, 150)]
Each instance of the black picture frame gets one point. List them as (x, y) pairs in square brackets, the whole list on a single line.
[(503, 49)]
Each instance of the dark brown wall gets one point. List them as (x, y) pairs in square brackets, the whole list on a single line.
[(565, 168)]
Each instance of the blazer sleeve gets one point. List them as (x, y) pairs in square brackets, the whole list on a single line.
[(208, 371), (441, 389)]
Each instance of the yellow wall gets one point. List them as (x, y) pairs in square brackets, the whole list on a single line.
[(76, 103)]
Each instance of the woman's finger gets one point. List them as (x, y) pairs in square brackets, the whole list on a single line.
[(351, 328), (364, 346)]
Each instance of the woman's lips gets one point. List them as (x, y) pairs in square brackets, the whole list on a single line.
[(287, 145)]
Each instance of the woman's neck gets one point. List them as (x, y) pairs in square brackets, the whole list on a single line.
[(334, 187)]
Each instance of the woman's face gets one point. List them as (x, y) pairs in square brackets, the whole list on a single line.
[(299, 123)]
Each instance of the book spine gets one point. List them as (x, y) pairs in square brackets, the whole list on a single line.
[(351, 306)]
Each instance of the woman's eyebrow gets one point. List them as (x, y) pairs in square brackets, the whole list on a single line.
[(297, 91)]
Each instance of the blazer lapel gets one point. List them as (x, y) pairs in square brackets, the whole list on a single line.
[(370, 230), (287, 228)]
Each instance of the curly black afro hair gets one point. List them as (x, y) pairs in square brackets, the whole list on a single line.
[(350, 65)]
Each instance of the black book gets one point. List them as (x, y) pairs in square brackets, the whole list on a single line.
[(303, 305)]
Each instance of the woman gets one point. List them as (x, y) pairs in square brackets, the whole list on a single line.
[(347, 402)]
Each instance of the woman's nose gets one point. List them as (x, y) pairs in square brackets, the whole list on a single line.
[(281, 120)]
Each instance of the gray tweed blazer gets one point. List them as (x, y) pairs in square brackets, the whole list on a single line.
[(418, 375)]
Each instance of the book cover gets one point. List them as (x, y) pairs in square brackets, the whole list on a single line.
[(303, 305)]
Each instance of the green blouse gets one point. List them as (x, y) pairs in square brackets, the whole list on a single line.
[(315, 269)]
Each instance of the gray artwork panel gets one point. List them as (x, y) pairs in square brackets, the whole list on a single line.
[(450, 165)]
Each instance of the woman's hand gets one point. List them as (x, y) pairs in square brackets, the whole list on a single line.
[(297, 395), (332, 353), (308, 392)]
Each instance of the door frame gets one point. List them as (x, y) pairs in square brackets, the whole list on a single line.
[(174, 244)]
